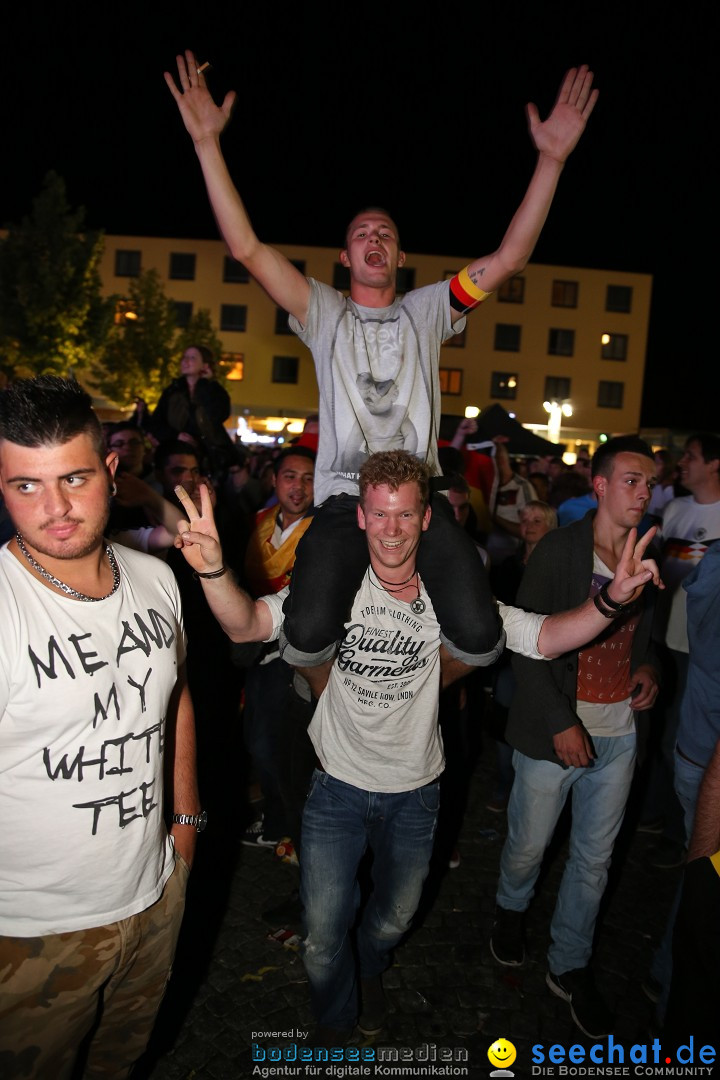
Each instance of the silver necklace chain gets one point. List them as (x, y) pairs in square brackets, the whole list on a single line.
[(68, 589)]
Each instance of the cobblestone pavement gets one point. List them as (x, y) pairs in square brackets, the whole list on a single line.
[(232, 983)]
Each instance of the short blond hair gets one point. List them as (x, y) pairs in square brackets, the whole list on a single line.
[(393, 468), (547, 511)]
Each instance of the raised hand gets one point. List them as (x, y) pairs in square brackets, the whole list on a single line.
[(634, 571), (201, 116), (558, 135), (197, 537)]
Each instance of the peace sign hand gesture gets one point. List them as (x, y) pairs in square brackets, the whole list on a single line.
[(197, 537)]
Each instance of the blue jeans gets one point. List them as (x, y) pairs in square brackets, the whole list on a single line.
[(339, 823), (688, 777), (599, 795)]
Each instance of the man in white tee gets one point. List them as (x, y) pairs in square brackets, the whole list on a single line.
[(94, 713), (375, 732)]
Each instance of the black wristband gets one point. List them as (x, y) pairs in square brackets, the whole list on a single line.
[(607, 612), (211, 573), (608, 600)]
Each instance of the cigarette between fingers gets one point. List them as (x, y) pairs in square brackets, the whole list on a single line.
[(203, 66)]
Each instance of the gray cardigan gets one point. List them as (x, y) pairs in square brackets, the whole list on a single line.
[(557, 578)]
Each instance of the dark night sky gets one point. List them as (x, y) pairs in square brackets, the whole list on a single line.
[(381, 104)]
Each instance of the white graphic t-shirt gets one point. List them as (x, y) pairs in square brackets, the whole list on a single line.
[(688, 527), (84, 692), (375, 726)]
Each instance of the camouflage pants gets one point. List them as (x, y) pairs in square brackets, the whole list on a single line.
[(56, 990)]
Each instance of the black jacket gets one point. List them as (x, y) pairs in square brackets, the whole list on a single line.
[(557, 578)]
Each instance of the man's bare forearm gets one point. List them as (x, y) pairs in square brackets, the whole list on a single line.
[(706, 831), (451, 668), (276, 274), (181, 765), (241, 617), (522, 234)]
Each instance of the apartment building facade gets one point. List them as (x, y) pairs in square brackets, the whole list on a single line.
[(557, 334)]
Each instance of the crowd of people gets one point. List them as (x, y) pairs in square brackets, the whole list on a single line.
[(157, 577)]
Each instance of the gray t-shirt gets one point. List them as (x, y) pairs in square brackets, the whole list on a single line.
[(377, 372)]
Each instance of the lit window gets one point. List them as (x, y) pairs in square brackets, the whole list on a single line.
[(503, 384), (233, 365), (451, 380), (614, 346)]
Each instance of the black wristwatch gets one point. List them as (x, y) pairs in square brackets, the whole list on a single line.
[(198, 820)]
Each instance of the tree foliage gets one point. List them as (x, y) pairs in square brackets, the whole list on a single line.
[(144, 346), (53, 318), (139, 355)]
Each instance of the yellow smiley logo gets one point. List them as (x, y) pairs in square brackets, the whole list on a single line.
[(502, 1053)]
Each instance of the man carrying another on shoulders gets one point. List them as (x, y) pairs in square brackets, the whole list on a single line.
[(377, 359), (375, 732)]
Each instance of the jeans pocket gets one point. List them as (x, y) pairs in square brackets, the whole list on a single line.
[(317, 778), (429, 797)]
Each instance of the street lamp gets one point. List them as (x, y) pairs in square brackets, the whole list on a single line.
[(556, 410)]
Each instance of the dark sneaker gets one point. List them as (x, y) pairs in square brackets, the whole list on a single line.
[(667, 855), (654, 826), (587, 1007), (507, 943), (254, 836), (373, 1006)]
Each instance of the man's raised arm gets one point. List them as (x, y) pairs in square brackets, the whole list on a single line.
[(205, 122), (570, 630), (554, 139), (241, 617)]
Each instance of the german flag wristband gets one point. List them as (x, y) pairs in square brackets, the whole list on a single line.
[(464, 293)]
